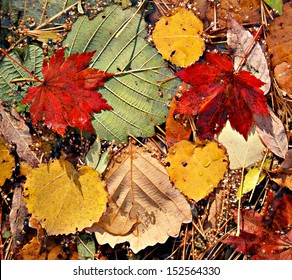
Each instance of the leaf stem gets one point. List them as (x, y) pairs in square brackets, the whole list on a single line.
[(239, 203), (139, 70), (21, 66), (247, 51)]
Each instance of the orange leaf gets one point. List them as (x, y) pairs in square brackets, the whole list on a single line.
[(176, 131)]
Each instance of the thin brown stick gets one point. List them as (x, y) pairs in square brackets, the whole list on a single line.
[(247, 51)]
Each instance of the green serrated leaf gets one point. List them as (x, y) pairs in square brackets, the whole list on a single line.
[(33, 59), (135, 96), (86, 247), (275, 4)]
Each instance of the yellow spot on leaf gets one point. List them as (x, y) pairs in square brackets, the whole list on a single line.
[(196, 169), (178, 37)]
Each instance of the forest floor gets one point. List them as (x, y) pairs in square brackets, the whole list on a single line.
[(148, 168)]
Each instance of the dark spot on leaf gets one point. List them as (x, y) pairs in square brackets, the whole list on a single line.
[(167, 164), (172, 53), (184, 163)]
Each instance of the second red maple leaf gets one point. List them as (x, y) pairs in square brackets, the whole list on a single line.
[(217, 94), (68, 94)]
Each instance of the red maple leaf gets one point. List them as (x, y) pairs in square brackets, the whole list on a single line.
[(267, 235), (68, 94), (218, 94)]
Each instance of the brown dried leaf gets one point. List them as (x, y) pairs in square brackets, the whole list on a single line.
[(216, 207), (272, 132), (14, 130), (283, 74), (279, 40), (244, 11), (145, 208), (283, 175), (52, 251), (17, 216), (239, 40), (279, 44)]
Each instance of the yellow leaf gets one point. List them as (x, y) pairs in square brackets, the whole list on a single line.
[(253, 177), (144, 207), (7, 163), (178, 37), (63, 199), (196, 169)]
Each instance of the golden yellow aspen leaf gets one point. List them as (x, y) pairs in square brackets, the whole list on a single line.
[(196, 169), (7, 163), (178, 37), (63, 199)]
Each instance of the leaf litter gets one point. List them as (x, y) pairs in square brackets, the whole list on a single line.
[(208, 211)]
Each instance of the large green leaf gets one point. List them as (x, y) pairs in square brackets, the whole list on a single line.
[(139, 101), (32, 59), (39, 10)]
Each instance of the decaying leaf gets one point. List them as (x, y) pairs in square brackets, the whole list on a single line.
[(14, 130), (174, 130), (196, 169), (239, 40), (272, 132), (7, 163), (283, 175), (178, 37), (144, 207), (63, 199), (243, 11), (280, 47), (52, 251), (242, 153), (43, 35), (283, 73), (267, 235), (17, 216)]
